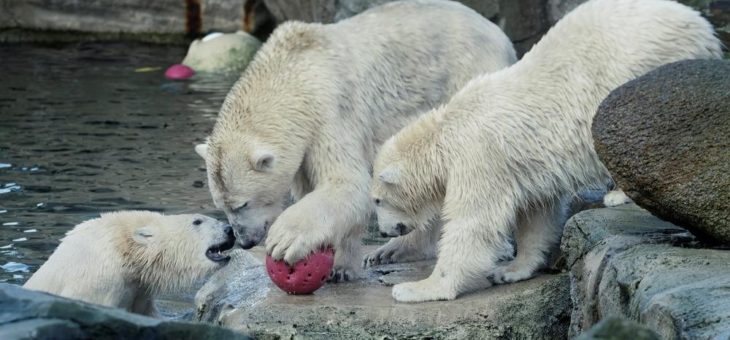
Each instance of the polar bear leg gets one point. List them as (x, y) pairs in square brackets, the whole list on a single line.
[(468, 252), (346, 257), (318, 220), (417, 245), (615, 198), (537, 235)]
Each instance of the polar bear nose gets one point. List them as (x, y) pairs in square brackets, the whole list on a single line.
[(248, 244), (401, 228)]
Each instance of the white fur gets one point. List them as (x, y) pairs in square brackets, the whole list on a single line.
[(318, 100), (496, 161), (615, 198), (124, 259)]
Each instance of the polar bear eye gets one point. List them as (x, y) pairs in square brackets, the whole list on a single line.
[(241, 207), (198, 222), (377, 201)]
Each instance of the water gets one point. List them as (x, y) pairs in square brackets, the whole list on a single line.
[(81, 132)]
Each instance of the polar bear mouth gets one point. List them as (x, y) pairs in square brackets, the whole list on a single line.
[(217, 253)]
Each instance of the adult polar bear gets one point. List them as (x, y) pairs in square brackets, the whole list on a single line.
[(311, 110), (123, 259), (501, 154)]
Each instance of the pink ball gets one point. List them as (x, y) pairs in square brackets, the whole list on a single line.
[(305, 276), (179, 72)]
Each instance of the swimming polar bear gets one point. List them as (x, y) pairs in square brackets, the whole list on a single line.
[(499, 157), (124, 259), (310, 112)]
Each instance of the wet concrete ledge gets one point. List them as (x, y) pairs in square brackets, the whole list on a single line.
[(242, 298)]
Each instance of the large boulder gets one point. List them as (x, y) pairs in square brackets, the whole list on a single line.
[(222, 53), (26, 314), (241, 297), (664, 137), (625, 262)]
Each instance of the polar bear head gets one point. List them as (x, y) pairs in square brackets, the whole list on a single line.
[(249, 181), (165, 252), (404, 195)]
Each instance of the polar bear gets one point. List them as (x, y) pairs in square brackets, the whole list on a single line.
[(123, 259), (498, 158), (310, 112)]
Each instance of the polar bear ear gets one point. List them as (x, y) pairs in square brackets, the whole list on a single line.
[(390, 175), (143, 235), (262, 160), (202, 150)]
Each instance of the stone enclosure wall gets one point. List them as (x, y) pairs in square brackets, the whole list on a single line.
[(524, 21)]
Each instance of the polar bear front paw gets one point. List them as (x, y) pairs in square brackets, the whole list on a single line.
[(401, 249), (343, 274), (383, 255), (421, 291), (293, 242), (510, 274)]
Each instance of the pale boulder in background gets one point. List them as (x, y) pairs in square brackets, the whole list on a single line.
[(220, 52)]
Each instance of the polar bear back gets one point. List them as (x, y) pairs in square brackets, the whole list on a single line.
[(531, 121), (371, 73), (68, 270)]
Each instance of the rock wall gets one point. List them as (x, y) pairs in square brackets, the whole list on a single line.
[(524, 21), (627, 263), (136, 19)]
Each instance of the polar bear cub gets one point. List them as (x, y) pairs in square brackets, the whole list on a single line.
[(123, 259), (495, 162), (310, 112)]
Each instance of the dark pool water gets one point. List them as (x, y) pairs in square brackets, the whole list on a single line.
[(89, 128)]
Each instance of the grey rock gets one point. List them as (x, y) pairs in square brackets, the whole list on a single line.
[(364, 309), (26, 314), (325, 11), (557, 9), (664, 137), (717, 12), (614, 328), (226, 53), (626, 262), (41, 329), (240, 284), (524, 22), (487, 8)]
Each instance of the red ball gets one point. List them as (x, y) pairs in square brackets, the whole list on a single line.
[(179, 72), (305, 276)]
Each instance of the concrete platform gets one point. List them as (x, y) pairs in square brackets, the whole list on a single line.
[(242, 297)]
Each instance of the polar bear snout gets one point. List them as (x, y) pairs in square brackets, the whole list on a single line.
[(251, 224), (217, 251), (249, 237), (400, 229)]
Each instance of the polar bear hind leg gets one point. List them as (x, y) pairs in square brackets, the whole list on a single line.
[(537, 236)]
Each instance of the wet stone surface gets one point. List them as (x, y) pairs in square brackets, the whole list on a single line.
[(26, 314), (242, 297)]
